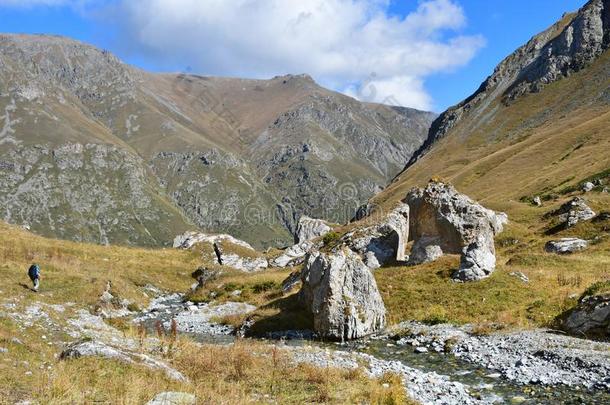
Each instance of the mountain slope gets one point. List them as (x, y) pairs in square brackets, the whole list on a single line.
[(92, 149), (537, 125)]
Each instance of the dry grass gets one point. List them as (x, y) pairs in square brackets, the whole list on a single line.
[(73, 272), (426, 292)]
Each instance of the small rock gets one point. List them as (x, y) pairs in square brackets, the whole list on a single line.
[(588, 186), (3, 350), (520, 276), (236, 293), (173, 398), (537, 201), (16, 341), (421, 349)]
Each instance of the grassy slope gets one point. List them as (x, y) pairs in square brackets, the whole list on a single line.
[(247, 372), (543, 144)]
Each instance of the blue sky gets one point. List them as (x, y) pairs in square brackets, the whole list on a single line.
[(425, 54)]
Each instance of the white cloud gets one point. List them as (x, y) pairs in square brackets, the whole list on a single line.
[(352, 46)]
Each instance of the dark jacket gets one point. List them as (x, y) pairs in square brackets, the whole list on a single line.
[(34, 271)]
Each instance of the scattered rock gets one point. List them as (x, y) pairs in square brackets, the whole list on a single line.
[(537, 201), (572, 212), (3, 350), (110, 306), (586, 187), (420, 349), (520, 276), (173, 398), (341, 293), (445, 221), (566, 245), (310, 228)]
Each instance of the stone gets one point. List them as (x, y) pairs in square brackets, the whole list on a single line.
[(421, 349), (3, 350), (566, 245), (590, 317), (572, 212), (586, 187), (384, 241), (191, 238), (341, 293), (520, 276), (310, 228), (294, 255), (247, 263), (443, 221), (291, 281), (425, 249), (537, 201), (173, 398)]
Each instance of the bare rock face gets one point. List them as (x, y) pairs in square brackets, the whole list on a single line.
[(566, 245), (341, 293), (384, 241), (247, 262), (444, 221), (310, 228)]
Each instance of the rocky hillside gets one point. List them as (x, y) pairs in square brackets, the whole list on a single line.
[(95, 150), (536, 126)]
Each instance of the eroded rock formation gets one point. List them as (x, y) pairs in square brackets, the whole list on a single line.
[(443, 221)]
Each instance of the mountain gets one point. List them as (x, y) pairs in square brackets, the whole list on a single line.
[(92, 149), (538, 125)]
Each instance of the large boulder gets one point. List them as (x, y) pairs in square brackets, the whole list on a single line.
[(310, 228), (591, 317), (342, 295), (443, 221), (566, 245), (384, 241)]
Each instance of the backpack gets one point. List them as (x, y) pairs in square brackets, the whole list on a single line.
[(34, 271)]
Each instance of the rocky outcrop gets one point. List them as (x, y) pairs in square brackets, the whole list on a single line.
[(443, 221), (93, 348), (310, 228), (384, 241), (572, 212), (566, 245), (190, 238), (591, 317), (342, 295), (247, 262), (294, 255), (224, 249)]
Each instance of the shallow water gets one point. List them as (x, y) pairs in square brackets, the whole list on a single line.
[(482, 383)]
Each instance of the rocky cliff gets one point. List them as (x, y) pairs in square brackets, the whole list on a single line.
[(93, 149)]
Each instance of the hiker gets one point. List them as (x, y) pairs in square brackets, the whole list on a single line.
[(34, 273)]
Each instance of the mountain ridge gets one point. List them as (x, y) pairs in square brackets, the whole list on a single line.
[(243, 156)]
